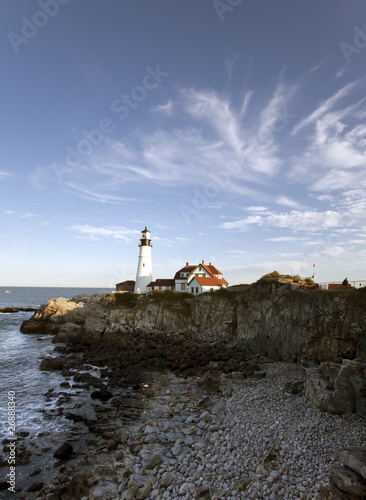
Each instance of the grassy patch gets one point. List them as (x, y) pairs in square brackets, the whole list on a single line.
[(173, 300), (126, 300)]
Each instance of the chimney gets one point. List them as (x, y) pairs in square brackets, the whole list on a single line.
[(209, 263), (203, 262), (187, 264)]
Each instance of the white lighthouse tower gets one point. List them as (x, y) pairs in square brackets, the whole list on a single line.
[(144, 269)]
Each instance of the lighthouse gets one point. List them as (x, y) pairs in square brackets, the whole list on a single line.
[(144, 268)]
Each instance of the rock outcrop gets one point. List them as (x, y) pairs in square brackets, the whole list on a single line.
[(268, 319), (338, 388), (347, 481)]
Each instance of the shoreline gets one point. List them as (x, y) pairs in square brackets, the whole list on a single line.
[(211, 435)]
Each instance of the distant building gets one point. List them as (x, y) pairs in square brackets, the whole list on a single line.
[(333, 285), (199, 278), (161, 284), (125, 286)]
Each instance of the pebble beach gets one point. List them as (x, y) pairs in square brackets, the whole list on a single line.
[(250, 440)]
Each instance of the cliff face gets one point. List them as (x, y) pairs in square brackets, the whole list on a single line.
[(288, 324), (270, 319), (312, 327)]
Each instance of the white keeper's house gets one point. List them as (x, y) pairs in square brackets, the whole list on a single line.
[(194, 279)]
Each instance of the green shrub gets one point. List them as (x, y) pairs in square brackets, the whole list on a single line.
[(273, 274), (125, 300)]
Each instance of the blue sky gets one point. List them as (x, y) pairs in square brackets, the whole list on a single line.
[(234, 130)]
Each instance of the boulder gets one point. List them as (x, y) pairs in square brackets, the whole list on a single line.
[(102, 394), (354, 458), (338, 388), (348, 481), (51, 364), (294, 386), (210, 381), (64, 451)]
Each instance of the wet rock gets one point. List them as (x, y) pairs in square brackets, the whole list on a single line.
[(80, 484), (74, 417), (102, 394), (22, 455), (51, 364), (35, 487), (86, 378), (64, 451), (35, 472)]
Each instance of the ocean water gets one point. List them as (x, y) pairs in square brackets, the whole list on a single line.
[(20, 357)]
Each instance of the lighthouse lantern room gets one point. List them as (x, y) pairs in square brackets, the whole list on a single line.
[(144, 268)]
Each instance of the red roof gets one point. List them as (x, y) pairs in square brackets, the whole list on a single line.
[(128, 282), (162, 282), (211, 269), (210, 281), (185, 269)]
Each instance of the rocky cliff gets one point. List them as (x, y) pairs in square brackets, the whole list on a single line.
[(270, 318), (311, 327)]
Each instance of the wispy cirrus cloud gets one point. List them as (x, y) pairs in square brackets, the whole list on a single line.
[(325, 107), (308, 220), (208, 134), (96, 233), (5, 175)]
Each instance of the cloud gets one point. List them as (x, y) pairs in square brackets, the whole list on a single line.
[(8, 212), (27, 215), (333, 252), (163, 108), (325, 106), (287, 239), (95, 233), (257, 209), (309, 220), (335, 156), (5, 175), (287, 202), (247, 97)]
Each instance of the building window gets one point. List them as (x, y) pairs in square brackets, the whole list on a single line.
[(182, 275), (192, 289), (182, 286), (211, 289), (152, 288), (160, 287), (196, 289)]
